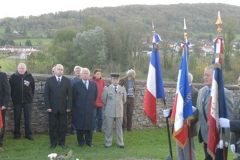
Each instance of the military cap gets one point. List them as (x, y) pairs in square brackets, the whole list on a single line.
[(114, 75)]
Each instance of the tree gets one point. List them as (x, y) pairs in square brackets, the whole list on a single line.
[(229, 35), (61, 49), (28, 43), (92, 47), (8, 30)]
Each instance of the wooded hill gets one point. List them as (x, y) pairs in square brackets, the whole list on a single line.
[(168, 19)]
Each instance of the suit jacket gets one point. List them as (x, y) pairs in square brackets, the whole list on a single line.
[(124, 82), (114, 101), (4, 89), (201, 119), (83, 103), (235, 123), (58, 97), (194, 129)]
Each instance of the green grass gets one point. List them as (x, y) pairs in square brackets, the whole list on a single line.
[(34, 41), (8, 65), (140, 144)]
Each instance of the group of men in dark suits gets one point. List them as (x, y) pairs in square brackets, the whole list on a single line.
[(60, 96)]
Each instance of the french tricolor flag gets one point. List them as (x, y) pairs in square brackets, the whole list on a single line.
[(217, 102), (154, 88), (182, 107)]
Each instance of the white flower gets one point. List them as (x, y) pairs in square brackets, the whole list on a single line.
[(77, 159), (52, 155)]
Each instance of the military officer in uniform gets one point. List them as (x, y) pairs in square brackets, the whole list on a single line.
[(113, 97)]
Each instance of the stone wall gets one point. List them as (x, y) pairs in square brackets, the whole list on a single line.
[(140, 121)]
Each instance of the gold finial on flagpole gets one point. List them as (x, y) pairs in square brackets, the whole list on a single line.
[(156, 44), (219, 24), (185, 31)]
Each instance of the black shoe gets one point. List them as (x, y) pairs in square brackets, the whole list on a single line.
[(129, 130), (80, 145), (107, 146), (121, 146), (90, 145), (30, 138), (52, 146), (63, 146), (16, 137)]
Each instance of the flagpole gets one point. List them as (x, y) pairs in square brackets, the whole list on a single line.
[(164, 101), (189, 124), (169, 140), (219, 30)]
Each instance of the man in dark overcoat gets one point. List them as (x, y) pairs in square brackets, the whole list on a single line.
[(58, 101), (84, 96)]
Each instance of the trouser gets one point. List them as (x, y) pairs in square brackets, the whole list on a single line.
[(27, 110), (57, 128), (97, 117), (109, 131), (3, 129), (183, 153), (218, 155), (73, 128), (128, 113), (87, 139)]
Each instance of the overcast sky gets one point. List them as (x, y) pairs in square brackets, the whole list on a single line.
[(17, 8)]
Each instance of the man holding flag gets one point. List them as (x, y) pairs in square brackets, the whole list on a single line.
[(183, 153), (209, 133)]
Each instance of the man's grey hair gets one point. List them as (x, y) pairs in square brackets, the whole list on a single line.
[(130, 72), (190, 77), (77, 67), (209, 68), (23, 65), (83, 69)]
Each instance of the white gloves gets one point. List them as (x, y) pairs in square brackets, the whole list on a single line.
[(166, 113), (193, 109), (233, 148), (220, 144), (224, 122)]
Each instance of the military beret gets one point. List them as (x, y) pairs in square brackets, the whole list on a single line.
[(114, 75)]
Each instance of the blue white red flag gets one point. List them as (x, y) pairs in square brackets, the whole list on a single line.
[(154, 88), (182, 107), (217, 106)]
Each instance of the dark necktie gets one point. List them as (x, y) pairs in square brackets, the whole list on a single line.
[(59, 81), (115, 89), (86, 85)]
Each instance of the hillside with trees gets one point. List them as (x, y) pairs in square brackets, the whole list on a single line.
[(115, 38)]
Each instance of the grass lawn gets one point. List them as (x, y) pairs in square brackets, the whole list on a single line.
[(34, 41), (8, 64), (140, 144)]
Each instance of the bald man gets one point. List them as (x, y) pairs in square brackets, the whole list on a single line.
[(58, 101)]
